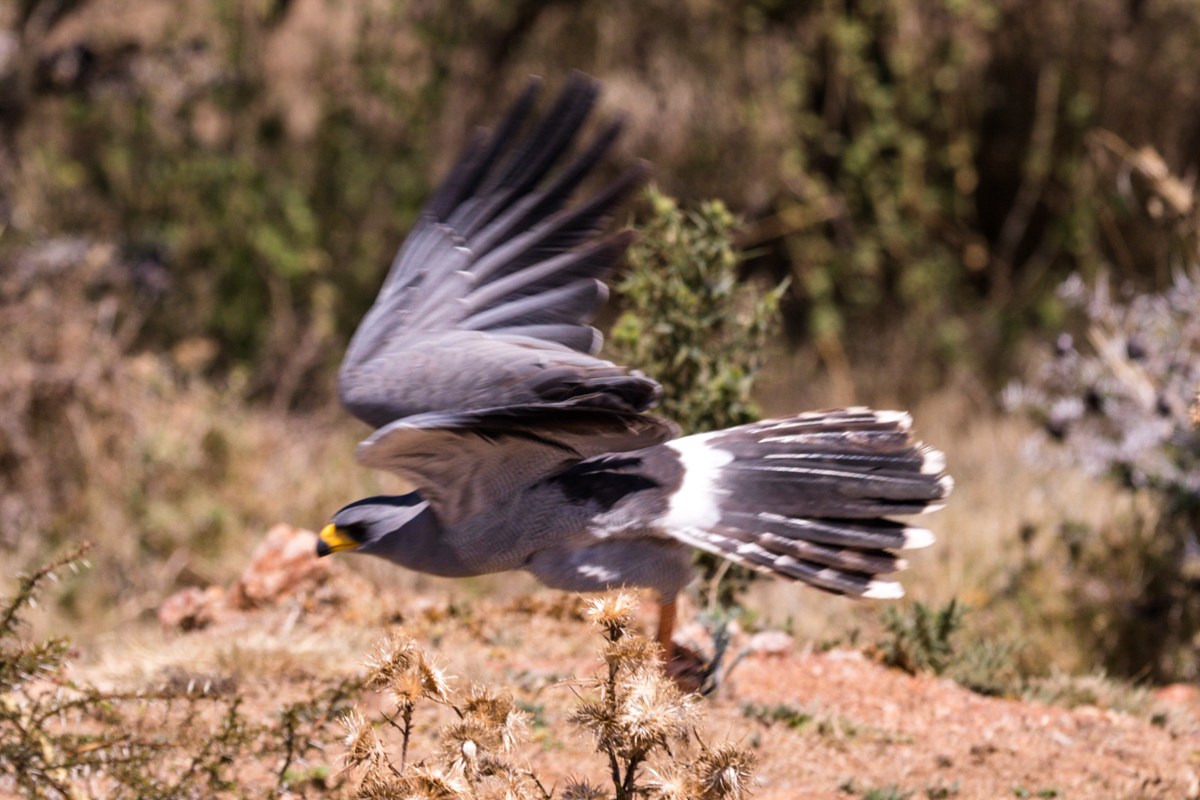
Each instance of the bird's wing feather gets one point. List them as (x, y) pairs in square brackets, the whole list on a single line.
[(476, 361), (467, 461), (487, 303)]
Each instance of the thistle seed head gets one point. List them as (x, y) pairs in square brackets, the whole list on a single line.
[(361, 742), (630, 651), (670, 782), (433, 682), (498, 713), (395, 656), (724, 771), (653, 711), (378, 784), (465, 741), (599, 719), (425, 783), (582, 789), (406, 690), (613, 612)]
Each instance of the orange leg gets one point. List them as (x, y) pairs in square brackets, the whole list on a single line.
[(666, 629)]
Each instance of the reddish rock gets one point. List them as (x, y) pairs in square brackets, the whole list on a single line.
[(193, 608), (1177, 694), (775, 643), (285, 563)]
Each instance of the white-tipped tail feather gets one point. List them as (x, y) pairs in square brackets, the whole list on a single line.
[(933, 462), (808, 497), (883, 590), (917, 538)]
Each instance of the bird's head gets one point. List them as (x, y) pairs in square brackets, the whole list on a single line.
[(365, 526)]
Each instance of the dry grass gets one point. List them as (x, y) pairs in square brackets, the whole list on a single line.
[(815, 721), (173, 477)]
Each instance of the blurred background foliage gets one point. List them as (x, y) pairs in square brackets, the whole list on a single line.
[(921, 168), (688, 321), (199, 199)]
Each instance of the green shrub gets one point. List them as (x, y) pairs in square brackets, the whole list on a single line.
[(926, 640), (921, 640), (688, 321)]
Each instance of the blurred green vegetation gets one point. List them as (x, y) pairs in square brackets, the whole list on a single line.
[(688, 321), (923, 169)]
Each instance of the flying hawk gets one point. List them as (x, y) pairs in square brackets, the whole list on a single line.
[(478, 368)]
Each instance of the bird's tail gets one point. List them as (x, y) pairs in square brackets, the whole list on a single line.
[(806, 497)]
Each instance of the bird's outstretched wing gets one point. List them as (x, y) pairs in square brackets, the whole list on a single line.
[(465, 460), (477, 352)]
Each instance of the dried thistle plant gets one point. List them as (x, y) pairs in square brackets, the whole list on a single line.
[(720, 773), (613, 612), (362, 743), (642, 724), (724, 771), (674, 782), (582, 789), (474, 756), (639, 715), (498, 713), (402, 669)]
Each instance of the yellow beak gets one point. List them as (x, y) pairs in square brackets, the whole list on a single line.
[(333, 540)]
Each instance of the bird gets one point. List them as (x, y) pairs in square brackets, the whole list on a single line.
[(479, 371)]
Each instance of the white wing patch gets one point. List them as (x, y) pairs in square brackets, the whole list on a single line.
[(601, 574), (697, 502)]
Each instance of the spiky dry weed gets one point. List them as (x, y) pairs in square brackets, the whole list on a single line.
[(62, 738), (643, 725), (582, 789), (640, 718), (473, 759), (724, 771), (613, 612)]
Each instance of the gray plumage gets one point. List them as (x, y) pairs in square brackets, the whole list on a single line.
[(478, 367)]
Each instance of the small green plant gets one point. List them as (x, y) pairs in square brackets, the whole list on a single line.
[(688, 320), (1097, 690), (825, 725), (988, 667), (924, 640), (921, 641), (889, 792), (940, 791), (781, 712)]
